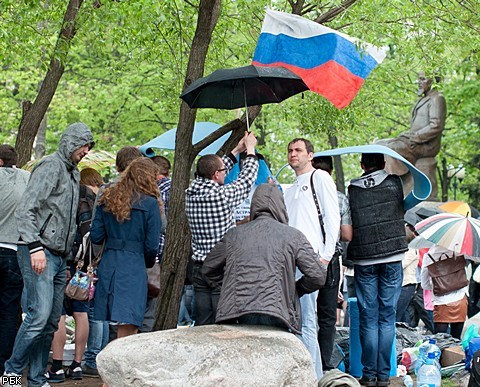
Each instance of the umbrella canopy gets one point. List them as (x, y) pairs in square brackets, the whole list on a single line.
[(243, 86), (421, 184), (459, 207), (200, 131), (96, 159), (426, 209), (422, 211), (455, 232)]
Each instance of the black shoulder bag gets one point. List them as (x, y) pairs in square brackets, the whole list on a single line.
[(320, 217), (333, 270)]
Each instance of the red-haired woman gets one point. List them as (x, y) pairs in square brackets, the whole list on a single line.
[(128, 220)]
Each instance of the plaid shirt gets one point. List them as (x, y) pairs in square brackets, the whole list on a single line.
[(164, 188), (344, 205), (210, 206), (345, 219)]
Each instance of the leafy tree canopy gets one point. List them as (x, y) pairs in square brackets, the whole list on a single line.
[(126, 66)]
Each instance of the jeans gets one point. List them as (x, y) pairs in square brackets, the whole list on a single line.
[(184, 317), (149, 317), (378, 288), (327, 313), (308, 303), (11, 285), (44, 299), (406, 295), (206, 298), (97, 337)]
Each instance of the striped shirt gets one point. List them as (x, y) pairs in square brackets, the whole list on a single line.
[(164, 185)]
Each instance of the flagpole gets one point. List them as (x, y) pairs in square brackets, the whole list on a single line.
[(246, 107)]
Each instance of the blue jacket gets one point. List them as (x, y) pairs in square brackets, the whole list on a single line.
[(121, 291)]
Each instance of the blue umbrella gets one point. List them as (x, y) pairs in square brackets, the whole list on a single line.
[(200, 131), (421, 184)]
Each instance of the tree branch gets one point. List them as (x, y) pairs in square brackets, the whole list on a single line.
[(328, 16)]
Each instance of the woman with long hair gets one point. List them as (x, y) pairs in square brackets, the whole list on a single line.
[(128, 221)]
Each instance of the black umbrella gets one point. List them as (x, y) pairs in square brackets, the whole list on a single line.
[(243, 86)]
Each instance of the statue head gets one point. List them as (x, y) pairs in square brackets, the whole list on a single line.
[(424, 84)]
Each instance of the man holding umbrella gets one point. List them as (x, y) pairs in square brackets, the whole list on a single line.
[(210, 206)]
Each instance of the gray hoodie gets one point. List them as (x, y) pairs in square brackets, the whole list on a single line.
[(46, 215), (13, 183)]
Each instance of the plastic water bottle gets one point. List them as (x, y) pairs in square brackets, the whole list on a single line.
[(422, 355), (434, 348), (428, 374), (407, 381)]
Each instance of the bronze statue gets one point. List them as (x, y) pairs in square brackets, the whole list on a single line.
[(421, 143)]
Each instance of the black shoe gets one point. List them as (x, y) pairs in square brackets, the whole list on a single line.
[(90, 372), (383, 382), (55, 377), (75, 374), (368, 382)]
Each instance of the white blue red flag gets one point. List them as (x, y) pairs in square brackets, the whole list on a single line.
[(330, 63)]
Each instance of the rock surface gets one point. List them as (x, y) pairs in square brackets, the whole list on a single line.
[(213, 355)]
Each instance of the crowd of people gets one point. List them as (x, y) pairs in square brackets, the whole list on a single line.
[(281, 267)]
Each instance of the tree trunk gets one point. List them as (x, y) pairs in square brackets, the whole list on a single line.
[(178, 238), (41, 141), (34, 113), (337, 165), (177, 246)]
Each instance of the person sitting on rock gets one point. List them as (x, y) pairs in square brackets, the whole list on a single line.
[(255, 265)]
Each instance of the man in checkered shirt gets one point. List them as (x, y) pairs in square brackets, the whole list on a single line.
[(210, 206)]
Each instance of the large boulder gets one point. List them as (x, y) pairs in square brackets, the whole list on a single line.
[(212, 355)]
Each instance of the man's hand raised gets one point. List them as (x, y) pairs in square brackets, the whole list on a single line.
[(250, 143)]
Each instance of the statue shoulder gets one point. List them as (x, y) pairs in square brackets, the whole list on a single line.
[(436, 94)]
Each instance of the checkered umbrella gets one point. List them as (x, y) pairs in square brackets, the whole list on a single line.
[(455, 232)]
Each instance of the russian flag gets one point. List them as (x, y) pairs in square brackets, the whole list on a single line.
[(330, 63)]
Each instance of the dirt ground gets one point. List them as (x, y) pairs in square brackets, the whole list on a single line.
[(85, 382), (97, 382)]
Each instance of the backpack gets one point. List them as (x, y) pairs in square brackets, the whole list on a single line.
[(84, 211), (475, 371), (86, 203)]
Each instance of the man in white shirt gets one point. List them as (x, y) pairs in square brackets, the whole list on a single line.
[(322, 235)]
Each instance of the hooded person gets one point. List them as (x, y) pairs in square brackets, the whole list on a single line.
[(255, 264), (46, 219)]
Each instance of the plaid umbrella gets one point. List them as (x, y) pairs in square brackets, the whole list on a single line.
[(455, 232)]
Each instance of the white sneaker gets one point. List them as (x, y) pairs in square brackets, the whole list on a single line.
[(11, 380)]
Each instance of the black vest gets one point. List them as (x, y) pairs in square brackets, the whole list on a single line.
[(377, 217)]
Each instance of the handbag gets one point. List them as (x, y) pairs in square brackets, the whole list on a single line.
[(448, 274), (81, 286), (153, 280)]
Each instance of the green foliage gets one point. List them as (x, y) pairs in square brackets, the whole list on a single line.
[(127, 62)]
